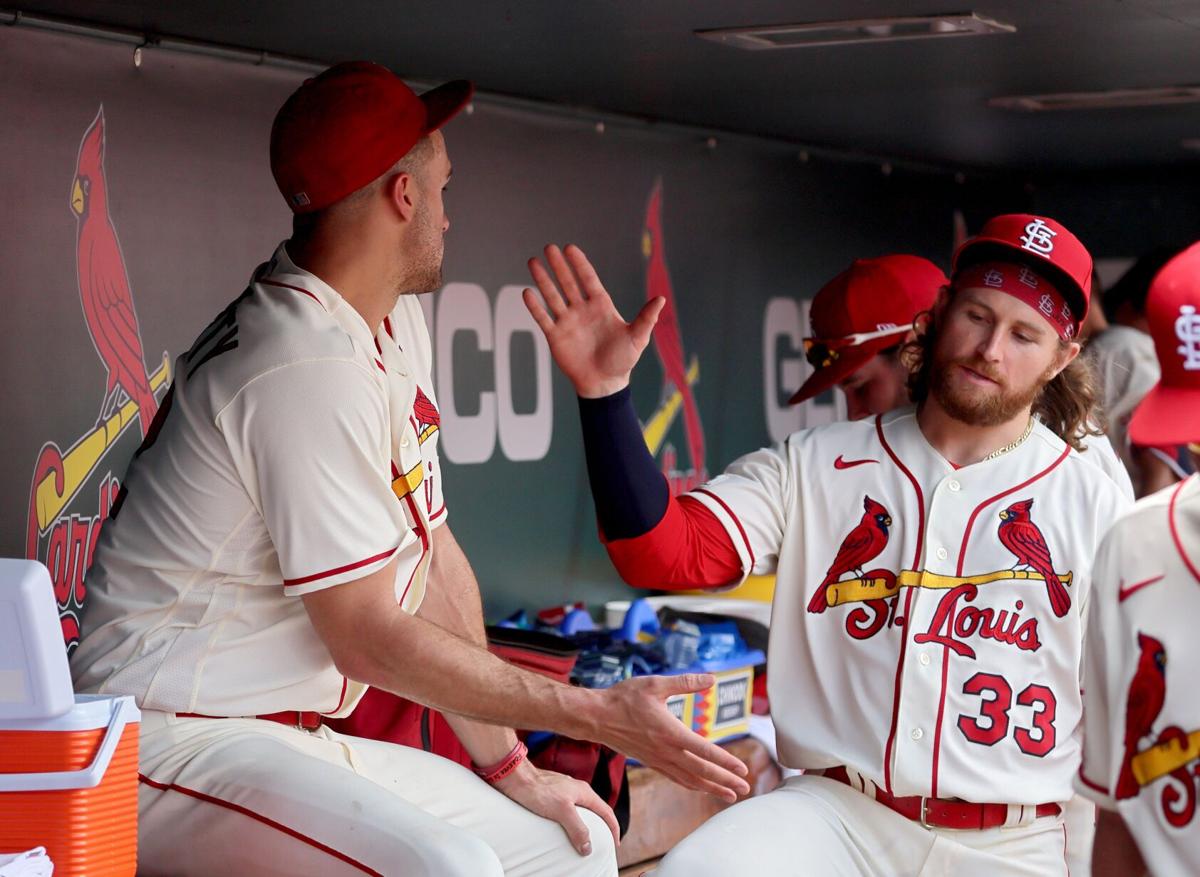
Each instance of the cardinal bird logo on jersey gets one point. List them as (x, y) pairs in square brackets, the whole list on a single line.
[(1147, 693), (1020, 535), (428, 418), (861, 545), (104, 284), (668, 342)]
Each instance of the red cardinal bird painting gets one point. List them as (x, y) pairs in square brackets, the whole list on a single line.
[(1147, 692), (1020, 535), (668, 340), (104, 284), (862, 545)]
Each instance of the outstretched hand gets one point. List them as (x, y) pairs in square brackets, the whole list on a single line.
[(590, 341), (638, 723)]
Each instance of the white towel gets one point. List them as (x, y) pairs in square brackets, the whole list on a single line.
[(34, 863)]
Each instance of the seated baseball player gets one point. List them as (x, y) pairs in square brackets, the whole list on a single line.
[(280, 543), (1141, 714), (931, 570)]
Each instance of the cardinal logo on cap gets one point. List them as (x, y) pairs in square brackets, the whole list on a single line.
[(1038, 238), (1187, 330)]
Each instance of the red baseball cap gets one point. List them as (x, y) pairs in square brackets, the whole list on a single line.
[(865, 309), (342, 129), (1170, 413), (1039, 242)]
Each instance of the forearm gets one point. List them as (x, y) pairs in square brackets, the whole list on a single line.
[(654, 540), (464, 679), (452, 602)]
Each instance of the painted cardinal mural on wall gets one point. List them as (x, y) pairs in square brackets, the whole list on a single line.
[(104, 284), (668, 339), (861, 545)]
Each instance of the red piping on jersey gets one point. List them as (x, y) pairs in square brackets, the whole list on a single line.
[(1175, 531), (424, 545), (1093, 786), (729, 512), (962, 557), (341, 569), (387, 327), (295, 289), (381, 366), (342, 696), (435, 515), (887, 751), (245, 811)]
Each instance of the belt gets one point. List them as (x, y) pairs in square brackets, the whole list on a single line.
[(305, 721), (951, 812)]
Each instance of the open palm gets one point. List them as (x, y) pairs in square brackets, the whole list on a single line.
[(590, 341)]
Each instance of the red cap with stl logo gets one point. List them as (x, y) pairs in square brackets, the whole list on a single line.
[(342, 129), (868, 298), (1041, 243), (1170, 413)]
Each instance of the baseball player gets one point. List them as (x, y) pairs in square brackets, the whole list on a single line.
[(931, 567), (860, 322), (280, 543), (1141, 716)]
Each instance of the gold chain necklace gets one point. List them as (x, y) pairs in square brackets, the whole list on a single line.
[(1008, 447)]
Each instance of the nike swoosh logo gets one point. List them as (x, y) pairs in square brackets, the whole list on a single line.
[(839, 463), (1124, 593)]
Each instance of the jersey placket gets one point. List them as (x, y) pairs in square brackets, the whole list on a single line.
[(925, 665)]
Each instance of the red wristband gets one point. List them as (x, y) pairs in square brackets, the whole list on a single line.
[(504, 767)]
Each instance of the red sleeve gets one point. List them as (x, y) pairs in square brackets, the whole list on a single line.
[(688, 548)]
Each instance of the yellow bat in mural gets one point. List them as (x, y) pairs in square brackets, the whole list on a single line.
[(85, 455), (859, 590), (655, 429)]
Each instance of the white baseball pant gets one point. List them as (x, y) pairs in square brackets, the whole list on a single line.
[(817, 827), (248, 796)]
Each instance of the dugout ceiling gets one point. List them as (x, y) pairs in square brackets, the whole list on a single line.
[(924, 100)]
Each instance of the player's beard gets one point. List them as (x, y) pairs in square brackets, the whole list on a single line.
[(423, 271), (976, 406)]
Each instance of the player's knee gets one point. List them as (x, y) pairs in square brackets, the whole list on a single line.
[(564, 860), (462, 855), (691, 856)]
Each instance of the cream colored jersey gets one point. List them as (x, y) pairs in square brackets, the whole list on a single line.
[(1141, 741), (296, 451), (926, 630)]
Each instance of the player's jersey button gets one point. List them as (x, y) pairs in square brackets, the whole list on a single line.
[(942, 554), (954, 485), (917, 733), (924, 659)]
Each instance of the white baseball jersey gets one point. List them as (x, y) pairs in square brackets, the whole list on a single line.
[(926, 629), (291, 455), (1141, 719), (1100, 452)]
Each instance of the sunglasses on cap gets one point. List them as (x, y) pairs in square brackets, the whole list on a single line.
[(823, 352)]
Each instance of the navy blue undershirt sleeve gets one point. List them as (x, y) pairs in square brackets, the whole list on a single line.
[(630, 493)]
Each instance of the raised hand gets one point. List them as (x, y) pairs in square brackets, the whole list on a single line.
[(638, 723), (590, 341)]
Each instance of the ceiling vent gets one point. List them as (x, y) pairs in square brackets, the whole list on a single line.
[(850, 32), (1099, 100)]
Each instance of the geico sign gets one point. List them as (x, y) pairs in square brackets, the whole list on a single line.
[(463, 314), (785, 323)]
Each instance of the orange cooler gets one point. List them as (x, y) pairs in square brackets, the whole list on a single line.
[(70, 784)]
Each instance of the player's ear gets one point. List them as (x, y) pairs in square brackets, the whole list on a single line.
[(1066, 353), (400, 190)]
